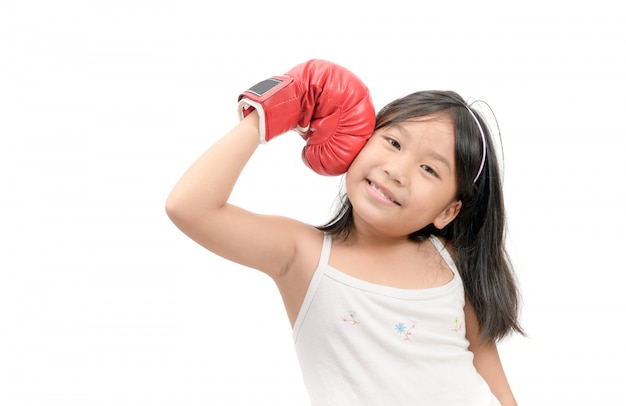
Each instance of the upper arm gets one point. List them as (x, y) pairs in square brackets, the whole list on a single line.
[(487, 360), (264, 242)]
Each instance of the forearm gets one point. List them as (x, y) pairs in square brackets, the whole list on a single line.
[(487, 360), (507, 399), (209, 181), (488, 364)]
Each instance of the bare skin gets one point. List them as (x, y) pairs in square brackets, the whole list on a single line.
[(386, 193)]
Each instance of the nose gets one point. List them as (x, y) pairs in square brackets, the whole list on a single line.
[(396, 170)]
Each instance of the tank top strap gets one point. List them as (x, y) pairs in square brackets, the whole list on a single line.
[(326, 246), (320, 270), (444, 253)]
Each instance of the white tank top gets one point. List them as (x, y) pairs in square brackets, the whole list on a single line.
[(360, 343)]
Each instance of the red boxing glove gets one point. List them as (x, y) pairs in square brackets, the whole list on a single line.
[(328, 105)]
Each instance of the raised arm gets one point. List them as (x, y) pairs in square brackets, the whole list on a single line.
[(331, 109), (199, 207)]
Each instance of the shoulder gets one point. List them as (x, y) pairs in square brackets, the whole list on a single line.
[(291, 245), (447, 245), (308, 243)]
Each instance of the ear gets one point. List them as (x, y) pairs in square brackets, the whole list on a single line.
[(448, 214)]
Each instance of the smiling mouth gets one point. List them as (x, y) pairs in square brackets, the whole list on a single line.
[(381, 193)]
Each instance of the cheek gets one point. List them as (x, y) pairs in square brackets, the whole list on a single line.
[(355, 175), (366, 157), (349, 178), (357, 164)]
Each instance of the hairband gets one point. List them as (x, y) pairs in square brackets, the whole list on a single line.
[(482, 135)]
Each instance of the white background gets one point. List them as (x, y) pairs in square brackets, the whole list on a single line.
[(104, 104)]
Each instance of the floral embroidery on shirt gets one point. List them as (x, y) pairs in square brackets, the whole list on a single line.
[(458, 325), (404, 330), (350, 318)]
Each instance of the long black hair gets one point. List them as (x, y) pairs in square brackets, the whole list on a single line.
[(478, 233)]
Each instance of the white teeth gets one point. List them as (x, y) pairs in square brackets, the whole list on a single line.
[(380, 192)]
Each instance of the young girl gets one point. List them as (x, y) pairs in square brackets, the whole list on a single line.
[(401, 298)]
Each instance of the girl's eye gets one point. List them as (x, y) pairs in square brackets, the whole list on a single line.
[(429, 170), (393, 143)]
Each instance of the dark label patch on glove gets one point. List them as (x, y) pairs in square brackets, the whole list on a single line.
[(264, 86)]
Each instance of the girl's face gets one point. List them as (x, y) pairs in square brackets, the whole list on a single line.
[(405, 178)]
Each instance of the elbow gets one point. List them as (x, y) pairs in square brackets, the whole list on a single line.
[(175, 209), (186, 211)]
